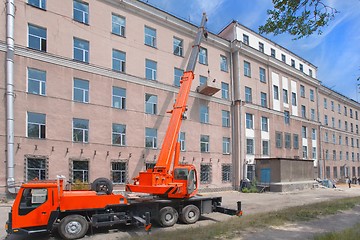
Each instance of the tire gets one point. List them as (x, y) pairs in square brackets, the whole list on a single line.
[(168, 216), (73, 227), (190, 214), (102, 185)]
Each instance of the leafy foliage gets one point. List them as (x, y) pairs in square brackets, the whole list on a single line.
[(300, 18)]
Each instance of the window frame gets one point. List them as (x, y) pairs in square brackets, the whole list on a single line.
[(33, 76), (121, 135), (84, 131), (85, 13), (150, 36), (39, 124), (85, 52), (40, 40), (119, 25)]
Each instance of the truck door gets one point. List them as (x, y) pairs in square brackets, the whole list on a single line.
[(34, 208), (192, 184)]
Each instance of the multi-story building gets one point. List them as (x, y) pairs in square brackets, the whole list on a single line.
[(93, 81), (340, 149)]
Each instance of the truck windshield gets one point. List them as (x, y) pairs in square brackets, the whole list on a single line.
[(31, 199)]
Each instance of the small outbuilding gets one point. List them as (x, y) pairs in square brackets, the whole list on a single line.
[(285, 174)]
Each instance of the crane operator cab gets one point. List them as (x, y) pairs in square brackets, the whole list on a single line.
[(186, 174)]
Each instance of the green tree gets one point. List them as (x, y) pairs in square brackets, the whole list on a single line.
[(300, 18)]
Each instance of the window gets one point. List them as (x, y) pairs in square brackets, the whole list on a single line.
[(202, 80), (347, 156), (351, 113), (36, 125), (312, 113), (273, 53), (332, 106), (38, 3), (177, 46), (283, 57), (263, 97), (81, 11), (326, 138), (224, 90), (303, 132), (340, 155), (303, 111), (80, 171), (293, 99), (310, 73), (346, 125), (264, 124), (293, 63), (118, 134), (262, 74), (81, 90), (36, 169), (226, 172), (205, 173), (333, 122), (80, 130), (339, 108), (356, 115), (204, 114), (326, 122), (248, 95), (36, 81), (225, 118), (285, 96), (261, 47), (150, 36), (81, 50), (325, 103), (119, 98), (305, 152), (203, 58), (246, 39), (287, 140), (118, 60), (287, 117), (249, 146), (151, 138), (351, 127), (204, 143), (150, 69), (345, 110), (37, 38), (301, 67), (276, 92), (357, 129), (278, 139), (265, 147), (296, 141), (226, 145), (340, 140), (223, 63), (150, 104), (314, 153), (312, 95), (249, 121), (177, 76), (247, 69), (339, 123), (118, 25), (302, 91), (149, 165), (118, 172), (182, 141), (313, 134)]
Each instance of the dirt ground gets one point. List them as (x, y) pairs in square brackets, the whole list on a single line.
[(251, 203)]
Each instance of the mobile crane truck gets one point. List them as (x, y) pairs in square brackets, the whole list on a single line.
[(170, 191)]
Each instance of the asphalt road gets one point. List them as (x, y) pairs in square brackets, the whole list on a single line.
[(251, 203)]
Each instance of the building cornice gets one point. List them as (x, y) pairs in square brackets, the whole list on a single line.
[(338, 96)]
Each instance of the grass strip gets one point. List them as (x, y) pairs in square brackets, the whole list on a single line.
[(233, 227), (352, 233)]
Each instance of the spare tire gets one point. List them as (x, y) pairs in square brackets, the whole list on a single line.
[(102, 185)]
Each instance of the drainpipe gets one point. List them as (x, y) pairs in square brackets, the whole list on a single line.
[(10, 96)]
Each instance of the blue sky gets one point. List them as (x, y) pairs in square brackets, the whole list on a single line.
[(336, 52)]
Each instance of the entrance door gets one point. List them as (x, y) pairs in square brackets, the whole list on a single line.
[(265, 175)]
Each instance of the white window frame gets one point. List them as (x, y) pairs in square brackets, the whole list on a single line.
[(203, 56), (84, 51), (204, 143), (152, 71), (151, 103), (41, 88), (40, 40), (150, 36), (226, 145), (151, 138), (120, 61), (121, 99), (204, 114), (40, 125), (118, 23), (122, 172), (38, 3), (178, 48), (84, 14), (84, 92), (84, 131), (120, 135), (247, 69)]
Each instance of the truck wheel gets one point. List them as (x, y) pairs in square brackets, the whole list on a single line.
[(168, 216), (73, 227), (190, 214), (102, 185)]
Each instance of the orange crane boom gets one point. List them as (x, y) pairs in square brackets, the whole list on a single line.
[(160, 181)]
